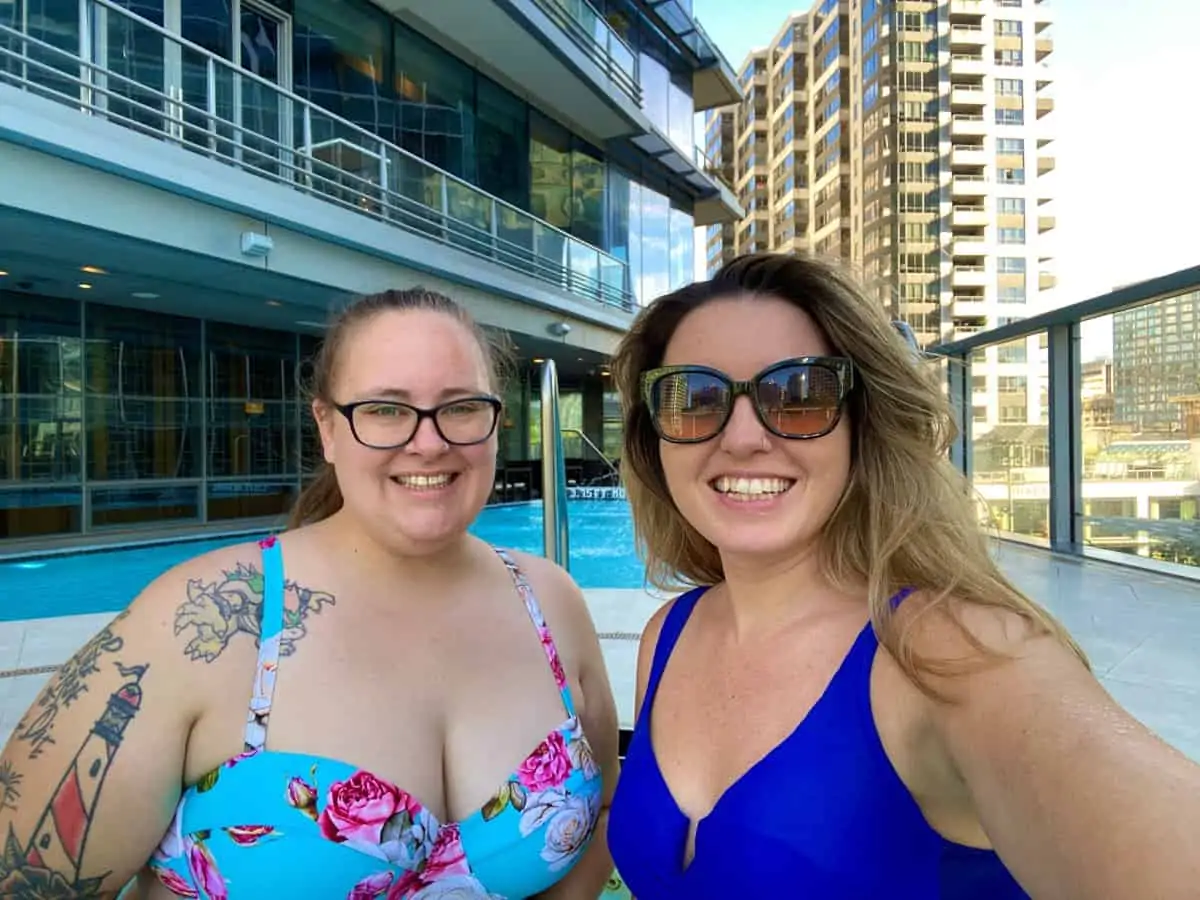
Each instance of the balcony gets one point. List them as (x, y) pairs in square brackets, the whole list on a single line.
[(1043, 47), (969, 186), (969, 216), (563, 53), (1047, 281), (1045, 106), (1045, 164), (968, 157), (971, 65), (969, 308), (967, 98), (1046, 223), (970, 11), (572, 62), (275, 134), (714, 82), (968, 276), (971, 36), (964, 125), (969, 248)]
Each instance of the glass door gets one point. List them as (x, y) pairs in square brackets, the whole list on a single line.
[(263, 48), (204, 71)]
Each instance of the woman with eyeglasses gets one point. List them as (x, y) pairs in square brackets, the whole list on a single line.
[(374, 704), (853, 702)]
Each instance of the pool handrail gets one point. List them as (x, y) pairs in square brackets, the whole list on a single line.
[(554, 472), (600, 453)]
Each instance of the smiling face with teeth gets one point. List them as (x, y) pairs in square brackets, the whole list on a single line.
[(421, 496), (754, 495)]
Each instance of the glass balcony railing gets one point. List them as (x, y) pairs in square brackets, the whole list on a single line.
[(596, 38), (1081, 426), (121, 67)]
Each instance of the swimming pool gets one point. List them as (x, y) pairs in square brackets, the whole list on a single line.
[(601, 536)]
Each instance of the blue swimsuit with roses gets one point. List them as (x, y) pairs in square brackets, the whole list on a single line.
[(275, 824)]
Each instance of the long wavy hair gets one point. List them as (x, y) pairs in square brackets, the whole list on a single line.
[(322, 497), (907, 517)]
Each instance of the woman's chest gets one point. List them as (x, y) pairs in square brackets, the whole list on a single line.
[(441, 717)]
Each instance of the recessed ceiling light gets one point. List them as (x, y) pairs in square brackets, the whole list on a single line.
[(93, 270), (2, 273), (84, 286), (538, 359), (145, 295), (274, 303)]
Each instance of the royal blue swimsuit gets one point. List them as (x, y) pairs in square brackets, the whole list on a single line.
[(823, 815)]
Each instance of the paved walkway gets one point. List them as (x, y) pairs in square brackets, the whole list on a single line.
[(1141, 630)]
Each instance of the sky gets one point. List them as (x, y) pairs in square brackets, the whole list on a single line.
[(1127, 198)]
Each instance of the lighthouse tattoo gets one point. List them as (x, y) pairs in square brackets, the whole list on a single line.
[(48, 863)]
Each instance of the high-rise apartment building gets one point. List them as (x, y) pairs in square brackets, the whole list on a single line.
[(909, 138), (1156, 366)]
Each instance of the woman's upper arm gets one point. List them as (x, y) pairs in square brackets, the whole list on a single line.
[(1077, 797), (91, 775)]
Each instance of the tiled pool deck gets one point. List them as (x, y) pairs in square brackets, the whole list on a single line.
[(1141, 630)]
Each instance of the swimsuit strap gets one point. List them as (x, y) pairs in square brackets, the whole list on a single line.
[(539, 621), (270, 632)]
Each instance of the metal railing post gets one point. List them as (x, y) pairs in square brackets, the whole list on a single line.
[(554, 472), (958, 377), (1065, 400)]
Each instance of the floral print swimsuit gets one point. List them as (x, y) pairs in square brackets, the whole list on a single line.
[(275, 824)]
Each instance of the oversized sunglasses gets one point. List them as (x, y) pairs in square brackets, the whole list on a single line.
[(798, 398)]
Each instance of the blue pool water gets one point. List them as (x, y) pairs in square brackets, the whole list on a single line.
[(601, 537)]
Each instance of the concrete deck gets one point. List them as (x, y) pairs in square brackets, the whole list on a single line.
[(1141, 630)]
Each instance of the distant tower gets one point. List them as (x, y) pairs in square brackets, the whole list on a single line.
[(60, 836)]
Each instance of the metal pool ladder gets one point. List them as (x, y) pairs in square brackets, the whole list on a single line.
[(554, 472)]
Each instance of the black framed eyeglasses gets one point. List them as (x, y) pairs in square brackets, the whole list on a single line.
[(799, 398), (390, 424)]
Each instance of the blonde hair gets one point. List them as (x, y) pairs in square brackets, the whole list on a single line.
[(907, 518), (322, 498)]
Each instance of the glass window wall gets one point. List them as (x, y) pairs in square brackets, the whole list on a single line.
[(41, 416), (341, 51), (144, 409), (587, 195), (550, 171), (656, 245), (681, 112), (253, 428), (683, 248), (437, 103), (501, 136)]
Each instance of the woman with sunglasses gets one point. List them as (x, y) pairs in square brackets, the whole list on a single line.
[(854, 702), (429, 717)]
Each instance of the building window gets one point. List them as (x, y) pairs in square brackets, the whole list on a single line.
[(1011, 293), (436, 103)]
